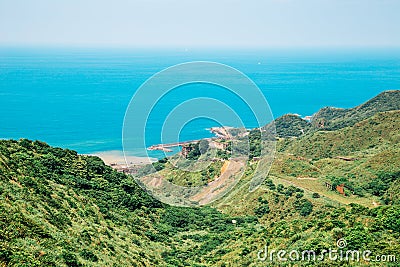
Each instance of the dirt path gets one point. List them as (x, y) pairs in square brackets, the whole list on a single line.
[(230, 174), (307, 178)]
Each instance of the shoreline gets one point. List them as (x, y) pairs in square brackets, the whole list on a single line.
[(116, 159)]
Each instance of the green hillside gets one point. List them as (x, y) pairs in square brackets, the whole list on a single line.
[(372, 147), (63, 209), (59, 208), (289, 126), (335, 118), (373, 134)]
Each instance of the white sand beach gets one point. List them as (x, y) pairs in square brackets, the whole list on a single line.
[(116, 158)]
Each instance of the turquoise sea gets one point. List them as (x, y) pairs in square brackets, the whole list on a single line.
[(76, 98)]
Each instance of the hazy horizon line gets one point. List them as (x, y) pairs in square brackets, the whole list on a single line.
[(200, 47)]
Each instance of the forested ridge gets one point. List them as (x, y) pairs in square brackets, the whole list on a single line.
[(59, 208)]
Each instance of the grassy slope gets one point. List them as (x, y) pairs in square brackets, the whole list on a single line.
[(307, 162), (47, 220), (58, 208), (336, 118), (62, 209), (288, 126), (374, 142)]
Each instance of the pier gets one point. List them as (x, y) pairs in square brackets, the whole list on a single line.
[(221, 133), (166, 147)]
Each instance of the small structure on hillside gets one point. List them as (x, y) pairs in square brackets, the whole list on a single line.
[(340, 189), (186, 150), (328, 185), (123, 170)]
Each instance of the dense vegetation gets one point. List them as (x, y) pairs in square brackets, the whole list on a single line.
[(58, 208), (289, 126), (336, 118)]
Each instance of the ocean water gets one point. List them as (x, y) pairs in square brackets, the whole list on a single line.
[(76, 98)]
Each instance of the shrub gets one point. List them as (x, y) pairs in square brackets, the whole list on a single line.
[(270, 184), (280, 188), (304, 206), (315, 195)]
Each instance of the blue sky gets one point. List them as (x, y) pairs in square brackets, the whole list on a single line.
[(206, 23)]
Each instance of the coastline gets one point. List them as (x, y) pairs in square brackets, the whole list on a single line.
[(219, 132), (116, 159)]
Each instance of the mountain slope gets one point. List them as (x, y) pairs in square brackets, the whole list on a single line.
[(288, 126), (365, 157), (58, 208), (335, 118), (380, 131)]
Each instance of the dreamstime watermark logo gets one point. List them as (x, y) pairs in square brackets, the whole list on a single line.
[(175, 97), (341, 243), (339, 254)]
